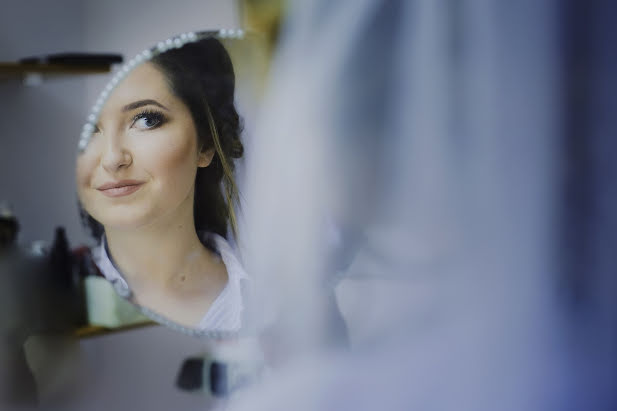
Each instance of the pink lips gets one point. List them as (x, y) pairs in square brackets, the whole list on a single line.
[(120, 188)]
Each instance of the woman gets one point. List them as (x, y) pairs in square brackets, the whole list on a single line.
[(149, 182)]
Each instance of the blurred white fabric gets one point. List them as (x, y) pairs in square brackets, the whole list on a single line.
[(433, 132)]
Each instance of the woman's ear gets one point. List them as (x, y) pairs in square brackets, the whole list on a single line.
[(205, 157)]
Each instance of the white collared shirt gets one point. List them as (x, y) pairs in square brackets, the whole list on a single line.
[(225, 313)]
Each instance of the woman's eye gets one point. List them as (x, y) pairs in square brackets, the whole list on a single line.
[(148, 120)]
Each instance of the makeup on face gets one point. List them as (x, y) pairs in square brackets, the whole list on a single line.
[(147, 118), (120, 188), (142, 155)]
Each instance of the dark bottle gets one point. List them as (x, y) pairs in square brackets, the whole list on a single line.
[(60, 261), (62, 296)]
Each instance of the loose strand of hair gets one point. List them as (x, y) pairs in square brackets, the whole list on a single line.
[(231, 190)]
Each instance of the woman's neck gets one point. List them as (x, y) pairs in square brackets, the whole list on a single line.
[(165, 256)]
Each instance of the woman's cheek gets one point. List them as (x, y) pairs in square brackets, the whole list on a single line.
[(85, 167), (172, 154)]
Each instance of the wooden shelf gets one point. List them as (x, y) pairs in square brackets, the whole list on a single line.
[(11, 69), (94, 331)]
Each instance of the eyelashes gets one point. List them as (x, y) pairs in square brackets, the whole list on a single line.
[(148, 120)]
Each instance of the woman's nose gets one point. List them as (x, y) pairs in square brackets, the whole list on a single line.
[(115, 156)]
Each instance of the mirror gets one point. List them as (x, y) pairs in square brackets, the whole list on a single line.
[(158, 190)]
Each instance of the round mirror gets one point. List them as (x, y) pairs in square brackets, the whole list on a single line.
[(158, 188)]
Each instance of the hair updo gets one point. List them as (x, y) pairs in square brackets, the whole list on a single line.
[(201, 75)]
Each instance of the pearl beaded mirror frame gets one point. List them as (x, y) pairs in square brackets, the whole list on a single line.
[(155, 179), (144, 56)]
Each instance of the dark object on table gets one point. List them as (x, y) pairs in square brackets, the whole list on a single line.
[(219, 379), (190, 377), (60, 260), (9, 227)]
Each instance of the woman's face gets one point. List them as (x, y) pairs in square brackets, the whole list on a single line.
[(141, 162)]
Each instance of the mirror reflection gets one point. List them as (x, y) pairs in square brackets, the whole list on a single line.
[(156, 186)]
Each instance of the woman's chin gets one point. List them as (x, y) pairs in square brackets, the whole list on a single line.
[(124, 223)]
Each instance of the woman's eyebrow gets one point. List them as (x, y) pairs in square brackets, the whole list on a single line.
[(141, 103)]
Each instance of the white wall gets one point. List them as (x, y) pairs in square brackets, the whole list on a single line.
[(130, 26), (39, 125)]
